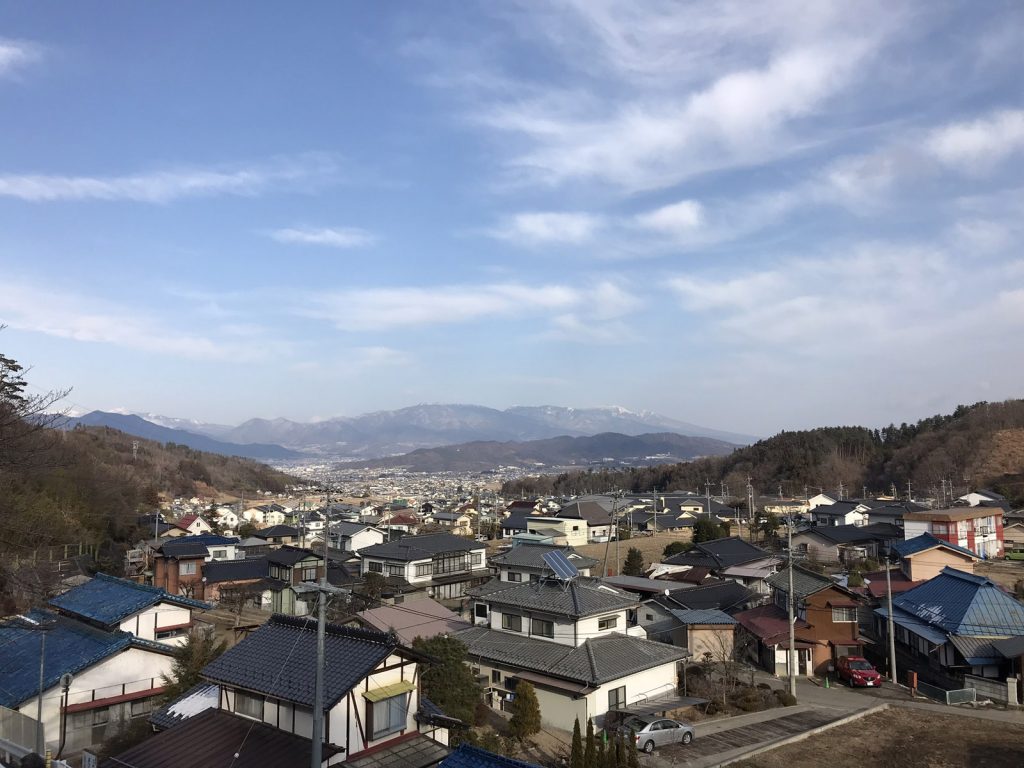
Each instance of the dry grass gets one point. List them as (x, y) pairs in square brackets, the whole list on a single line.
[(904, 738), (1005, 573), (651, 547)]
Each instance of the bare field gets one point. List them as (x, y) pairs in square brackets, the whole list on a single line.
[(1005, 573), (904, 738)]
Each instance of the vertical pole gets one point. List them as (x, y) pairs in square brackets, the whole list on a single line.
[(39, 702), (792, 616), (892, 634), (316, 756)]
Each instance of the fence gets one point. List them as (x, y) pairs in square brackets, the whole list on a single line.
[(941, 695), (17, 728)]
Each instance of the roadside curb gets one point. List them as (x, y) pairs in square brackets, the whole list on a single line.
[(768, 746)]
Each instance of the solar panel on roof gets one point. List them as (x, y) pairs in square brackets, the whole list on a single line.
[(559, 563)]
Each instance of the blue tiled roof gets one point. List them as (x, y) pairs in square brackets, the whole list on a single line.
[(468, 756), (960, 603), (279, 659), (924, 542), (71, 646), (706, 616), (108, 600)]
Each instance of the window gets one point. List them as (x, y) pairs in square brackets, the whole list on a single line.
[(480, 611), (187, 568), (607, 622), (451, 563), (843, 614), (218, 554), (495, 676), (542, 628), (649, 617), (477, 559), (89, 718), (389, 715), (249, 705), (575, 528), (375, 567), (940, 528), (512, 622), (163, 634), (513, 576), (141, 707), (424, 569), (617, 697), (394, 570), (309, 574)]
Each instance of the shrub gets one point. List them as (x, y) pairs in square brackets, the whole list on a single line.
[(786, 698), (764, 686)]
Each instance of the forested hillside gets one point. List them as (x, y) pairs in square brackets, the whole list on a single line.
[(975, 446), (85, 485)]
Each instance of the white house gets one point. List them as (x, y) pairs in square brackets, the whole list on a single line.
[(442, 565), (195, 525), (575, 641), (115, 677), (372, 704), (525, 562), (353, 537)]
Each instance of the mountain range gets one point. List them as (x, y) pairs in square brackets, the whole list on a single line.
[(390, 433), (609, 449)]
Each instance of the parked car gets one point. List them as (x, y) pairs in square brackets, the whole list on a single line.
[(654, 732), (1016, 553), (857, 670)]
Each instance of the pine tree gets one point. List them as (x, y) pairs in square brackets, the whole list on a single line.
[(589, 748), (599, 759), (576, 755), (525, 712), (449, 683), (634, 565), (632, 758), (198, 650)]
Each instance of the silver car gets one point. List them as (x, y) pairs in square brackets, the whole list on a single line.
[(654, 732)]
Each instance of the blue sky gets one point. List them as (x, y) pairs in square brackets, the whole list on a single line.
[(753, 216)]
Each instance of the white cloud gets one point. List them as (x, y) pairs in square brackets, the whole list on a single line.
[(678, 218), (29, 307), (979, 144), (166, 186), (17, 54), (535, 228), (334, 237)]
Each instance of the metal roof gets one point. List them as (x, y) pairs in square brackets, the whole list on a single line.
[(720, 553), (927, 541), (278, 659), (960, 603), (913, 625), (532, 556), (217, 571), (977, 650), (579, 597), (696, 616), (596, 661), (108, 600), (196, 699), (804, 582), (71, 646), (722, 594), (468, 756), (420, 618)]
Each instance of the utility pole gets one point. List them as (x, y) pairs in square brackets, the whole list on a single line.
[(891, 632), (792, 616), (750, 509), (910, 493)]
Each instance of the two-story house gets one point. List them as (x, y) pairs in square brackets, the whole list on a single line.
[(827, 623), (178, 563), (846, 544), (525, 562), (292, 566), (730, 558), (195, 525), (115, 677), (924, 557), (575, 641), (440, 564), (112, 604), (979, 529), (261, 713), (354, 537)]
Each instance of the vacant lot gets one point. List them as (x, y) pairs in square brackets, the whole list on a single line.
[(904, 738), (650, 547), (1005, 573)]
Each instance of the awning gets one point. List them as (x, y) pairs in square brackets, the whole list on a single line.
[(576, 689), (387, 691)]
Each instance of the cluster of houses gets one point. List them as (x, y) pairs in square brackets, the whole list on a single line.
[(532, 609)]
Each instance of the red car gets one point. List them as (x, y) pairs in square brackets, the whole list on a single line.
[(856, 670)]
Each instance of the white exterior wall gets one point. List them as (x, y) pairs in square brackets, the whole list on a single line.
[(642, 685), (915, 528), (130, 671), (364, 538), (145, 623)]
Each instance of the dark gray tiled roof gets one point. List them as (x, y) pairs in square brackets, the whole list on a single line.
[(852, 534), (424, 547), (279, 658), (290, 555), (804, 582), (217, 571), (277, 531), (720, 553), (579, 597), (597, 661), (532, 556), (723, 594)]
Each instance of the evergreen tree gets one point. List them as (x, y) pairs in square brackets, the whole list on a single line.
[(198, 650), (449, 683), (632, 758), (589, 747), (576, 754), (599, 758), (634, 565), (525, 712)]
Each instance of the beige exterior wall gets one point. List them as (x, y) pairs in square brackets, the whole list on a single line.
[(718, 641), (929, 564)]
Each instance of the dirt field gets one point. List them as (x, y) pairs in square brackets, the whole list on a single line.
[(904, 738), (650, 547), (1003, 572)]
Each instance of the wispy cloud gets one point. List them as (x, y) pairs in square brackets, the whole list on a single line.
[(334, 237), (979, 144), (683, 217), (169, 185), (549, 227), (15, 55)]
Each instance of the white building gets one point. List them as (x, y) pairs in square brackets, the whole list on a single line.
[(442, 565)]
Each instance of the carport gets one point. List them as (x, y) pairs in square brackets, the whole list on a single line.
[(655, 706)]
